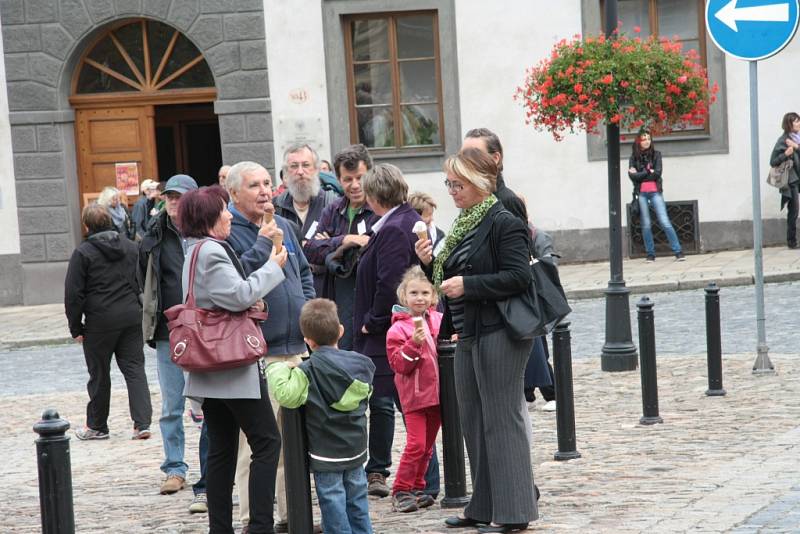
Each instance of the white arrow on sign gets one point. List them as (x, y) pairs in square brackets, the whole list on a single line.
[(729, 14)]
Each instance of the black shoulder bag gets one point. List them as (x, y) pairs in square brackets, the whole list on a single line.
[(540, 307)]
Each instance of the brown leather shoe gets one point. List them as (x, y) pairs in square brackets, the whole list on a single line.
[(173, 484)]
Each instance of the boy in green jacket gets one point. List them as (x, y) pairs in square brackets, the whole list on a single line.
[(335, 386)]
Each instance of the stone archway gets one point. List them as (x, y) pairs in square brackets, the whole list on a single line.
[(44, 41)]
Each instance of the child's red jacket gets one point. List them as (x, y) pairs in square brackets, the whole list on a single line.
[(416, 367)]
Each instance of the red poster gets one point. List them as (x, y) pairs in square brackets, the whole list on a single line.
[(128, 178)]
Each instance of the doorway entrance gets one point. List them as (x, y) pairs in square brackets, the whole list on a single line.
[(187, 142), (143, 97)]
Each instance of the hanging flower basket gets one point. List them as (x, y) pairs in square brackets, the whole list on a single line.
[(631, 82)]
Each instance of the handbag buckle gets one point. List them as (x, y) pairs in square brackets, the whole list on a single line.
[(253, 341), (179, 349)]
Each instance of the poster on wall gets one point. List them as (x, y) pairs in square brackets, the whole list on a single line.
[(127, 177)]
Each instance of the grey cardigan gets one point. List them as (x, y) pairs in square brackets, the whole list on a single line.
[(217, 284)]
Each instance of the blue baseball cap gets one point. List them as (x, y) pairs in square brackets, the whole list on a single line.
[(180, 183)]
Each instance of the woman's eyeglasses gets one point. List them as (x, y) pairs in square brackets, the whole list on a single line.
[(453, 186)]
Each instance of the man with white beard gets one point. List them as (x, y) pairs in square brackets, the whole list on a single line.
[(303, 201)]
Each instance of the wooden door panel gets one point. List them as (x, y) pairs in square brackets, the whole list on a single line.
[(114, 135), (108, 136)]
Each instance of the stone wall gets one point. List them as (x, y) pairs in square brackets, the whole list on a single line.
[(43, 41)]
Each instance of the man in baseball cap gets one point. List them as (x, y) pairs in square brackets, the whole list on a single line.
[(180, 183), (160, 268)]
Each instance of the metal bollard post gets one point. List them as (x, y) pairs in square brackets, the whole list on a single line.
[(647, 350), (455, 471), (55, 474), (295, 471), (713, 342), (565, 402)]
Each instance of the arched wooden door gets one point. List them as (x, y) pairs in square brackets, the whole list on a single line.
[(123, 75)]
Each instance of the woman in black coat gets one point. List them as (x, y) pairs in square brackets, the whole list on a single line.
[(786, 148), (485, 260), (104, 314)]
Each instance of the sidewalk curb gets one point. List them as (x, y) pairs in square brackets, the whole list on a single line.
[(25, 343), (684, 285)]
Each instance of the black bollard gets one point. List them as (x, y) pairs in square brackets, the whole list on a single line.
[(647, 351), (713, 342), (295, 471), (55, 474), (565, 402), (455, 471)]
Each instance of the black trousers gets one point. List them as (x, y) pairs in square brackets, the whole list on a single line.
[(126, 344), (224, 418), (791, 216)]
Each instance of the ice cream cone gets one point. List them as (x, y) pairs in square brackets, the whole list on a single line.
[(277, 241), (268, 216), (422, 235), (418, 322)]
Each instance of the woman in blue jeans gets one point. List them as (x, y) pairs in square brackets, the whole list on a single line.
[(645, 173)]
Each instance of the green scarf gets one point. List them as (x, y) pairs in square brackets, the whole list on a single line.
[(466, 221)]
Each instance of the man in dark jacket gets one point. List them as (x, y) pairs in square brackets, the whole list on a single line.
[(161, 256), (143, 208), (303, 201), (103, 311), (342, 232), (250, 187), (486, 140)]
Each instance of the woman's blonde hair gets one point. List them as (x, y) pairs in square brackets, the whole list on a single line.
[(415, 274), (107, 195), (476, 167)]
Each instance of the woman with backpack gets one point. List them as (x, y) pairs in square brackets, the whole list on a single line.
[(786, 148)]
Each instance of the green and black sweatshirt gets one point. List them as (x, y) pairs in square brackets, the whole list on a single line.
[(335, 386)]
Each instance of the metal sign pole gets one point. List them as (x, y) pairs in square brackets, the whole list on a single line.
[(762, 363)]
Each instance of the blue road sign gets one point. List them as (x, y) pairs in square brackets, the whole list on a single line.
[(751, 29)]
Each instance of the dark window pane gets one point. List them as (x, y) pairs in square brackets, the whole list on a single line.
[(678, 17), (158, 37), (415, 36), (106, 54), (183, 52), (693, 44), (130, 37), (418, 81), (634, 13), (92, 80), (198, 76), (421, 125), (376, 127), (373, 84), (370, 39)]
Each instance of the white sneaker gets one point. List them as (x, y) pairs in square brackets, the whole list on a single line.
[(549, 407), (199, 504)]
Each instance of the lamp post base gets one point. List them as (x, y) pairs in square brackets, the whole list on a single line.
[(619, 352), (716, 392)]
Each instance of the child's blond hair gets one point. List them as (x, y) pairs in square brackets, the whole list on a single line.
[(415, 274)]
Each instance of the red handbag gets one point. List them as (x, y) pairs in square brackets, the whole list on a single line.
[(213, 340)]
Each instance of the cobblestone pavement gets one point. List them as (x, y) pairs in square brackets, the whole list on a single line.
[(681, 325), (716, 464)]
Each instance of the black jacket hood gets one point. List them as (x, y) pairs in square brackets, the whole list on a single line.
[(108, 243)]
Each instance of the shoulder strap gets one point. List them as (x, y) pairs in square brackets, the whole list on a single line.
[(192, 269)]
